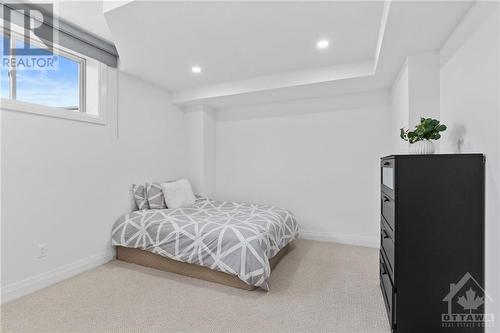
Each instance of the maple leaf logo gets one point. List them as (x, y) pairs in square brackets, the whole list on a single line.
[(470, 301)]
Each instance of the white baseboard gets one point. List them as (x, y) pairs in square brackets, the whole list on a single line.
[(40, 281), (340, 238)]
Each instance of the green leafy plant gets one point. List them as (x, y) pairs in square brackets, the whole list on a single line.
[(428, 129)]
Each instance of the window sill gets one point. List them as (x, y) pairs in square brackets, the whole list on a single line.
[(7, 104)]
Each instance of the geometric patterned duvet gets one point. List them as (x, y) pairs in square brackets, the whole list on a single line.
[(235, 238)]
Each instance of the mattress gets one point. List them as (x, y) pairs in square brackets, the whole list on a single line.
[(231, 237)]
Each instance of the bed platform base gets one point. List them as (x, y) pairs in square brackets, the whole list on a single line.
[(148, 259)]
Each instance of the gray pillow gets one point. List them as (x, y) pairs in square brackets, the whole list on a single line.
[(155, 196), (140, 196)]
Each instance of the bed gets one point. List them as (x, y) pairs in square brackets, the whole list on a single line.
[(233, 243)]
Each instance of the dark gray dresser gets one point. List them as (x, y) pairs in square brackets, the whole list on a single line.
[(432, 242)]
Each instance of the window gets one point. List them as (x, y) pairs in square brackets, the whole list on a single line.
[(4, 73), (48, 78), (72, 84), (74, 88)]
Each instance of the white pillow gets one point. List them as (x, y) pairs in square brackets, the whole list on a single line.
[(178, 194)]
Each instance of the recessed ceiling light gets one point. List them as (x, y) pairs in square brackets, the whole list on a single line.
[(322, 44), (196, 69)]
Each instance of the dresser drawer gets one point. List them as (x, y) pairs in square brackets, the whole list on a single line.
[(387, 208), (387, 289), (387, 176), (387, 246)]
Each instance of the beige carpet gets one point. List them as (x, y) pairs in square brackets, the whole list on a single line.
[(317, 287)]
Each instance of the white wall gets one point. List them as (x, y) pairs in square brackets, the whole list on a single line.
[(470, 106), (199, 135), (209, 152), (415, 94), (400, 110), (64, 182), (423, 86), (322, 163)]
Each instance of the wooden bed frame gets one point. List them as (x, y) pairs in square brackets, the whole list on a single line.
[(148, 259)]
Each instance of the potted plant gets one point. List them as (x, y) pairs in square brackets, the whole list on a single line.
[(420, 138)]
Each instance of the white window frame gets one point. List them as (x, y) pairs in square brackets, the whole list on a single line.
[(96, 117)]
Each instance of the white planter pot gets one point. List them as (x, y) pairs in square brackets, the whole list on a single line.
[(422, 147)]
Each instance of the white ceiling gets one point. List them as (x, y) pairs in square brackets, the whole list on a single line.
[(411, 27), (88, 15), (256, 52), (240, 40)]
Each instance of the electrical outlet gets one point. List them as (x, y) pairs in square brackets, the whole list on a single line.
[(42, 250)]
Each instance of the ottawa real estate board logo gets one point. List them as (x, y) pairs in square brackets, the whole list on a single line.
[(28, 37), (466, 303)]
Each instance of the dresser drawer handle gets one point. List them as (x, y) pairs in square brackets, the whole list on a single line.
[(386, 199), (387, 163), (385, 235), (384, 271)]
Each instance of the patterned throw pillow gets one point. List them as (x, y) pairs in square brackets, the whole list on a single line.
[(155, 196), (140, 196)]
